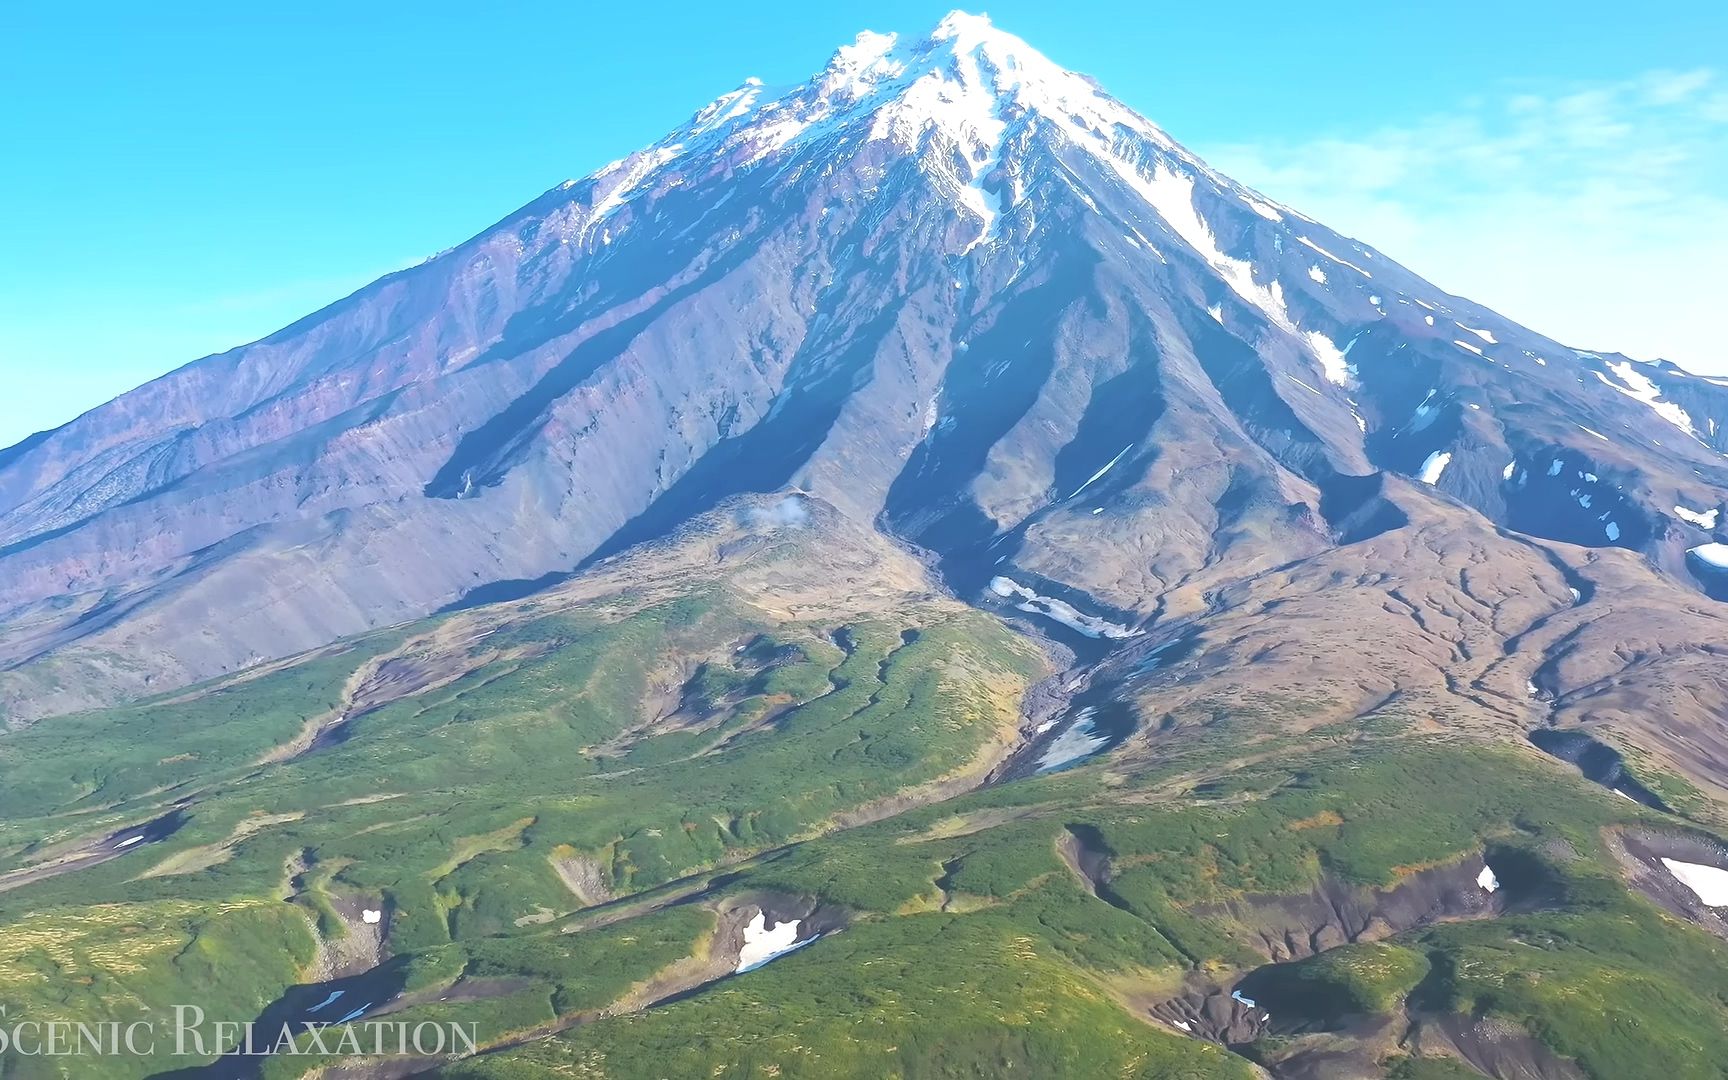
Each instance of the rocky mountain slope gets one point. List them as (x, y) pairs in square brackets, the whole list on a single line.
[(911, 574), (759, 798), (946, 286)]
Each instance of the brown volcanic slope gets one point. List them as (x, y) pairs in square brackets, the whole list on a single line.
[(955, 292), (1447, 626)]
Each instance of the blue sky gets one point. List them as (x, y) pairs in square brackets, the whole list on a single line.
[(183, 178)]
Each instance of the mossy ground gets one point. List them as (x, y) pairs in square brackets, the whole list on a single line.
[(664, 741)]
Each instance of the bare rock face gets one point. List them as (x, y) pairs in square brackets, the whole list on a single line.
[(1650, 858), (1492, 1046), (1284, 928), (945, 285)]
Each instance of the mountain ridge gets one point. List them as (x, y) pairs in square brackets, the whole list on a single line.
[(858, 595), (802, 286)]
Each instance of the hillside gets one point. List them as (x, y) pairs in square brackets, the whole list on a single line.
[(911, 574)]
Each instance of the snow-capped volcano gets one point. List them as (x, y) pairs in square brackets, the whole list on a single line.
[(945, 285), (978, 95)]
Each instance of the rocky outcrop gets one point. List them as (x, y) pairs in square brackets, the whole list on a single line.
[(1641, 853), (1493, 1047), (1333, 913)]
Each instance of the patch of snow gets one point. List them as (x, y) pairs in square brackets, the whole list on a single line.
[(1111, 464), (1060, 611), (1305, 386), (762, 944), (1483, 334), (1708, 883), (1334, 258), (727, 107), (1613, 530), (1078, 742), (1171, 194), (1429, 319), (1375, 300), (371, 917), (1487, 880), (1262, 209), (1333, 364), (1236, 995), (129, 841), (1472, 348), (331, 1000), (1317, 274), (1704, 519), (980, 200), (1425, 413), (1435, 466), (1511, 468), (1217, 312), (1592, 431), (616, 184), (1639, 388), (1182, 1025), (1558, 467), (1715, 555)]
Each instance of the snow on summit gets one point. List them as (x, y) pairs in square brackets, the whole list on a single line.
[(967, 84), (999, 141), (981, 114)]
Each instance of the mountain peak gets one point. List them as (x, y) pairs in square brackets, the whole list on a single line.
[(965, 33), (869, 53), (960, 31), (959, 23), (944, 283), (966, 78)]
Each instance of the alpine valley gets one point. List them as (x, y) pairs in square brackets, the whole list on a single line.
[(910, 575)]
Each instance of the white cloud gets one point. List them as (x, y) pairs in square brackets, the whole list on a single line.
[(1597, 214)]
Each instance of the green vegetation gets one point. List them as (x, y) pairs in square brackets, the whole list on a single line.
[(554, 823), (200, 737), (1367, 978), (1679, 793), (983, 873), (935, 996), (636, 739), (1623, 990), (1409, 1068), (132, 962)]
